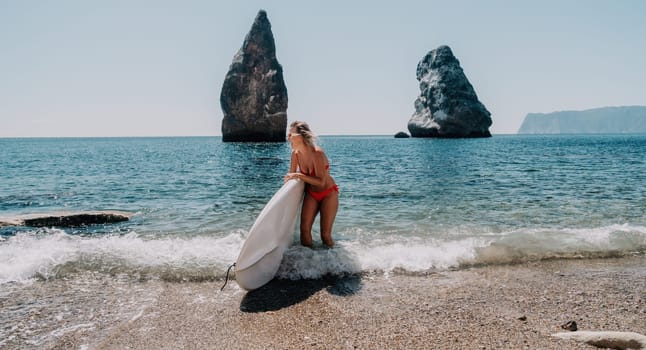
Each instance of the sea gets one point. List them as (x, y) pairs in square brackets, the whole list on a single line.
[(407, 206)]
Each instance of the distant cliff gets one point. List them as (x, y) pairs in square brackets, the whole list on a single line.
[(606, 120)]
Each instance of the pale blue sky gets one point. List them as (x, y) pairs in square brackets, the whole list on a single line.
[(155, 68)]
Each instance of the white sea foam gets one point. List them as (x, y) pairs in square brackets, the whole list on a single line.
[(29, 255), (383, 255), (53, 253)]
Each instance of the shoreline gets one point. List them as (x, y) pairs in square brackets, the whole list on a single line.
[(502, 306)]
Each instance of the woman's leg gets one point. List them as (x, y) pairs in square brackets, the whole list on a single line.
[(308, 214), (329, 207)]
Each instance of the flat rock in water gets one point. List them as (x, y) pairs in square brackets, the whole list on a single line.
[(66, 219)]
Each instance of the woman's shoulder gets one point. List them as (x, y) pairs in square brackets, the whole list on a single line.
[(320, 154)]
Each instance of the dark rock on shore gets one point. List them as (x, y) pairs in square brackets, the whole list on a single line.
[(254, 95), (570, 326), (447, 105), (66, 219), (401, 135)]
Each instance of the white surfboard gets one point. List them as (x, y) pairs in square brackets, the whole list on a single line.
[(269, 237)]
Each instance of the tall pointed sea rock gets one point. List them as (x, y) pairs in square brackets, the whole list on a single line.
[(447, 105), (254, 95)]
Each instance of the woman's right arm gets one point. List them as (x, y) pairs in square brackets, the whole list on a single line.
[(293, 163)]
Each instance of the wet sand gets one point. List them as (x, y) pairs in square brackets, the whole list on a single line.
[(492, 307)]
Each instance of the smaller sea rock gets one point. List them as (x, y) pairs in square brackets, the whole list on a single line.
[(401, 135), (447, 105)]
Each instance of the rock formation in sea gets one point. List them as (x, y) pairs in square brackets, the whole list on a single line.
[(254, 95), (401, 135), (447, 105), (606, 120)]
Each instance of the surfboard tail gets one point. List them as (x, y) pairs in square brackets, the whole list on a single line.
[(269, 237)]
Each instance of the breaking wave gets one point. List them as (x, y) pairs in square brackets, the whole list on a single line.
[(52, 253)]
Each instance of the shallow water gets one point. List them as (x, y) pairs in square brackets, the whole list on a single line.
[(406, 205)]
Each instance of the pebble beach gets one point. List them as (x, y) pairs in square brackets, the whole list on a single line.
[(489, 307)]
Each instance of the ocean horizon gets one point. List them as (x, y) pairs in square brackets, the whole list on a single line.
[(318, 135)]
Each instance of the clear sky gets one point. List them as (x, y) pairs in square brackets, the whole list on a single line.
[(155, 68)]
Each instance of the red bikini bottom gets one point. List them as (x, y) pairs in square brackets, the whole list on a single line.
[(319, 196)]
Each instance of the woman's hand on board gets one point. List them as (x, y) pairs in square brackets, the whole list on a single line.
[(291, 176)]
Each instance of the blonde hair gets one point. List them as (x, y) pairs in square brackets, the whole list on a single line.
[(303, 129)]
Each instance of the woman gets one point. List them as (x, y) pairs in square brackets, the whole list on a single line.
[(309, 164)]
